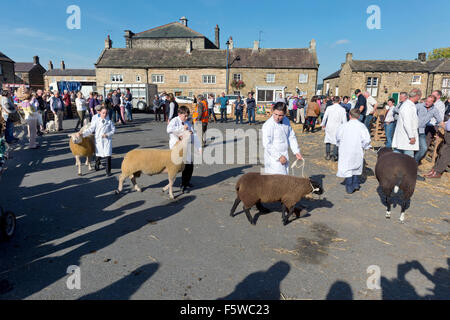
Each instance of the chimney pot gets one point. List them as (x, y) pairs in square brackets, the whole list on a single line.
[(108, 42), (255, 46), (184, 21), (217, 31), (422, 56), (349, 57), (36, 60), (50, 65), (63, 65)]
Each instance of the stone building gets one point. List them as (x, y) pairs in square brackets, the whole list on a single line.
[(85, 77), (387, 78), (7, 75), (30, 73), (183, 61)]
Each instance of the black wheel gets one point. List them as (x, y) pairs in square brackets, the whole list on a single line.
[(7, 225)]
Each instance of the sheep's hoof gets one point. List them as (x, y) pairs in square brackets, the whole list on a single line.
[(388, 214), (285, 222), (402, 218), (117, 192), (232, 214)]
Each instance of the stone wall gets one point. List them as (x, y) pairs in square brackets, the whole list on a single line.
[(174, 43), (288, 78), (8, 72), (129, 76)]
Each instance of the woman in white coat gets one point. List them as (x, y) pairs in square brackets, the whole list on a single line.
[(352, 139), (333, 118), (278, 136), (104, 129)]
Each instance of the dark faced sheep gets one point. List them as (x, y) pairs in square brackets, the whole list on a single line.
[(255, 189), (394, 172)]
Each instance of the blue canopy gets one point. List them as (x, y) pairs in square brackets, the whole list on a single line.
[(69, 86)]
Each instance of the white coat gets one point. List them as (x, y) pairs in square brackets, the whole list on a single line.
[(277, 138), (407, 127), (103, 146), (175, 129), (352, 139), (333, 118)]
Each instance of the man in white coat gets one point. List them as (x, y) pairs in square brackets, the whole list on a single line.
[(335, 115), (176, 128), (278, 136), (406, 135), (104, 130), (352, 139)]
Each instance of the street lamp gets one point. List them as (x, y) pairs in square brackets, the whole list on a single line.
[(227, 72)]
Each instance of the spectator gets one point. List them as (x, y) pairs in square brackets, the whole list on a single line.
[(81, 105), (57, 107), (426, 112), (346, 105), (280, 98), (173, 107), (211, 102), (93, 102), (361, 105), (67, 104), (116, 97), (406, 133), (371, 106), (300, 114), (156, 107), (239, 109), (166, 106), (123, 109), (312, 112), (251, 106), (129, 105), (443, 161), (200, 118), (431, 129), (389, 122), (291, 109), (109, 106), (223, 108), (403, 97), (41, 109), (31, 116)]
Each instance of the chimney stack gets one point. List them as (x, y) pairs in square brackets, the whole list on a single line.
[(63, 65), (36, 60), (184, 21), (312, 45), (108, 42), (128, 36), (255, 46), (217, 31), (422, 57), (349, 57), (50, 65)]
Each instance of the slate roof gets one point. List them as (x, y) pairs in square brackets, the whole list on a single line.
[(23, 66), (171, 30), (206, 58), (333, 75), (71, 72), (396, 65), (5, 58)]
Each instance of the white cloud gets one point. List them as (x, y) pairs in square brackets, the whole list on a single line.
[(342, 41)]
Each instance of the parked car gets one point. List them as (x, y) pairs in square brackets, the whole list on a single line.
[(184, 99)]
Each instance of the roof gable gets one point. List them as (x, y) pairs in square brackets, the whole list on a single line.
[(5, 58), (171, 30), (333, 75)]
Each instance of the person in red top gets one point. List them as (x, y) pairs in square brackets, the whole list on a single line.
[(68, 104)]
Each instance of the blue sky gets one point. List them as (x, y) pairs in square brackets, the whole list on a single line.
[(38, 27)]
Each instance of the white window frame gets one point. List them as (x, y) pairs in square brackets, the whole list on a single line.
[(265, 95), (446, 87), (372, 88), (270, 78), (185, 76), (237, 76), (208, 79), (157, 78), (303, 78), (116, 78), (416, 82)]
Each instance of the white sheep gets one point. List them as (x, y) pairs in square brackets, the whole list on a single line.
[(155, 161), (82, 147)]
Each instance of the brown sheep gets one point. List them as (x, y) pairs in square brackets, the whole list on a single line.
[(394, 172), (82, 147), (255, 189), (154, 161)]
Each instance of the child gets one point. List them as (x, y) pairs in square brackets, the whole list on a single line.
[(175, 129), (352, 139), (103, 128)]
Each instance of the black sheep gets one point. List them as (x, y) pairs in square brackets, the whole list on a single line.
[(394, 172)]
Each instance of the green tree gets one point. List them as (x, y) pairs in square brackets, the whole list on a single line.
[(439, 53)]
